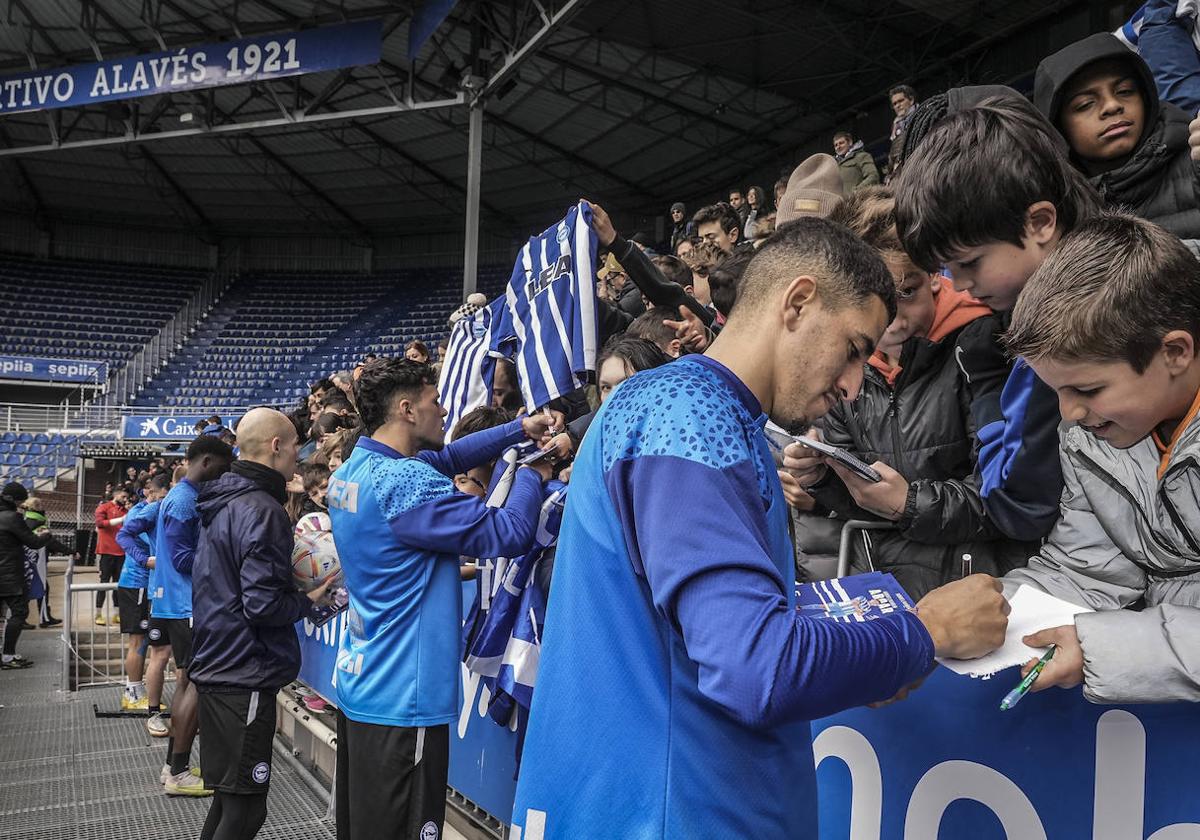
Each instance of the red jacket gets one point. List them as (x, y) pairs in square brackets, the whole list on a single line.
[(106, 535)]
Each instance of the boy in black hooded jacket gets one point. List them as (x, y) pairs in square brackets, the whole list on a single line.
[(1132, 147)]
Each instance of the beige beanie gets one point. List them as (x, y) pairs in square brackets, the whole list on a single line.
[(814, 189)]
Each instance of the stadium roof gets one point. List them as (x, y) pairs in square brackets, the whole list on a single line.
[(633, 102)]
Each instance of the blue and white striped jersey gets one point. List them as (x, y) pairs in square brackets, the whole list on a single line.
[(549, 326), (466, 379)]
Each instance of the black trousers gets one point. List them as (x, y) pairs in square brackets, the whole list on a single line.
[(18, 606), (110, 571), (391, 780)]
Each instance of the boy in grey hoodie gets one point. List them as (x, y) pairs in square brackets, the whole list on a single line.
[(1111, 322)]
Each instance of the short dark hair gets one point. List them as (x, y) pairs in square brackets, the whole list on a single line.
[(1110, 291), (216, 420), (329, 422), (209, 445), (674, 269), (843, 133), (337, 402), (159, 482), (724, 277), (907, 90), (382, 381), (976, 174), (312, 475), (720, 212), (322, 384), (849, 270), (649, 325), (479, 419), (351, 441), (636, 353)]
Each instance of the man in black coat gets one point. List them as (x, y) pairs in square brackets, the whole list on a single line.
[(15, 537), (244, 608)]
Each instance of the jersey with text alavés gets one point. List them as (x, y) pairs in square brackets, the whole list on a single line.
[(176, 533), (677, 678)]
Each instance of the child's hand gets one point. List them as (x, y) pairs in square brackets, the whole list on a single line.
[(1065, 668), (883, 498)]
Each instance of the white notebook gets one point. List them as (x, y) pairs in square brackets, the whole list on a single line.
[(1032, 610)]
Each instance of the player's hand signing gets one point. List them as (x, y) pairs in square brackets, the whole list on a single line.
[(543, 425), (965, 618), (806, 465), (1065, 668), (885, 498)]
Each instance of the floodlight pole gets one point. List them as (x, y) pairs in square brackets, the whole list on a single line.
[(474, 168)]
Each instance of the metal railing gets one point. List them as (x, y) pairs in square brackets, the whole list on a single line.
[(105, 660), (28, 417)]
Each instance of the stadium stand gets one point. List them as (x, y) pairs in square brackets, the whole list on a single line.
[(272, 334), (87, 310)]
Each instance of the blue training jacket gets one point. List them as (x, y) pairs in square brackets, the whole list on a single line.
[(175, 535), (136, 537), (676, 678), (400, 526)]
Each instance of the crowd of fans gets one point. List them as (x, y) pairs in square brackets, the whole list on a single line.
[(1026, 265)]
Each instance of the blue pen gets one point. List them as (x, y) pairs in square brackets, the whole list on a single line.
[(1014, 697)]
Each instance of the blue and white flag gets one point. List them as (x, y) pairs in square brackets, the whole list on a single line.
[(466, 379), (550, 328), (505, 643)]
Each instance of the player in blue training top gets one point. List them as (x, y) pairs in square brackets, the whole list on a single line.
[(133, 605), (677, 678), (400, 526), (176, 533)]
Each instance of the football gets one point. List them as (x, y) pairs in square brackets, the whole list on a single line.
[(314, 554)]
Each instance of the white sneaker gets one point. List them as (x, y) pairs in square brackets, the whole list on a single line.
[(187, 783), (156, 726)]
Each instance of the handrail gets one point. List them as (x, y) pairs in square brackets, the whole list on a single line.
[(31, 417)]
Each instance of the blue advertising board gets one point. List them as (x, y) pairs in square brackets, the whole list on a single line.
[(52, 370), (483, 760), (254, 59), (164, 426), (946, 764)]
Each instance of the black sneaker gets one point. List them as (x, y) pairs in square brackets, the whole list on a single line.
[(52, 622), (16, 664), (27, 626)]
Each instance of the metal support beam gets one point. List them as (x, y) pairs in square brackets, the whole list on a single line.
[(514, 61), (232, 128), (474, 168)]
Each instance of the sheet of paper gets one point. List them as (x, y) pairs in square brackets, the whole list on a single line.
[(1032, 610)]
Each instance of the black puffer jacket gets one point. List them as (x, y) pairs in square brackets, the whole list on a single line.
[(922, 428), (1159, 181), (15, 537)]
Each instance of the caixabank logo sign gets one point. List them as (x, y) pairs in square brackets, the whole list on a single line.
[(159, 427)]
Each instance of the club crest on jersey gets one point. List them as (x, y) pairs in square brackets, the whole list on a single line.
[(547, 277), (429, 831), (261, 772)]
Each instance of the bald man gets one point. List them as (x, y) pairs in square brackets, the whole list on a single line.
[(245, 604)]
